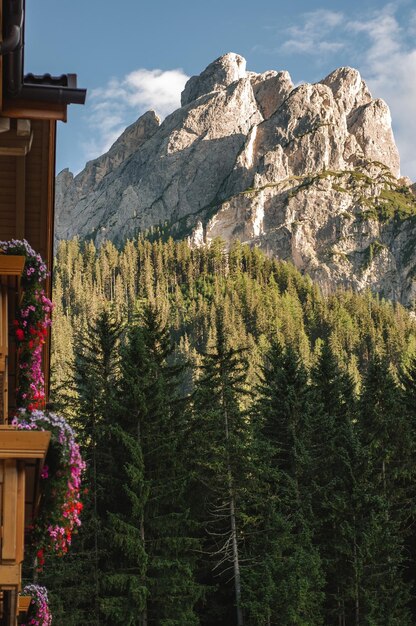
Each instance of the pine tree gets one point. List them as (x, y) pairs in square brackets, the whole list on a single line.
[(219, 450), (285, 416), (408, 406), (382, 429), (334, 475), (165, 525), (307, 465), (92, 405)]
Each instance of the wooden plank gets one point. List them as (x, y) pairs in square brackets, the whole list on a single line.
[(4, 327), (11, 264), (4, 353), (23, 444), (1, 57), (10, 576), (13, 364), (9, 545), (20, 196), (13, 606), (7, 220), (49, 217), (32, 110), (4, 124), (11, 144), (23, 128), (1, 502), (20, 514)]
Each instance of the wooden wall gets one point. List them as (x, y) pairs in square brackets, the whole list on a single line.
[(27, 187)]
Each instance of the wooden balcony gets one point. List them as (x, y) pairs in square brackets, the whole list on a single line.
[(11, 268), (22, 455)]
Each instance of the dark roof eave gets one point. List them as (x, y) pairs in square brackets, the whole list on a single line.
[(46, 88), (50, 93)]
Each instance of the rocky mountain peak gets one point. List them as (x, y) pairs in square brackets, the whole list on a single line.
[(348, 88), (308, 173), (137, 133), (218, 75), (270, 90)]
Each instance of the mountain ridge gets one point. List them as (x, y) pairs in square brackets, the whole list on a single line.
[(308, 173)]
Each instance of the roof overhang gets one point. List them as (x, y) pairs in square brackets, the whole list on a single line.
[(49, 93)]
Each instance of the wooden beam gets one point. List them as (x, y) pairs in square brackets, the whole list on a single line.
[(4, 124), (9, 543), (23, 444), (20, 512), (4, 353), (11, 264), (11, 144), (48, 212), (23, 128), (10, 576), (1, 57), (20, 196), (10, 604), (32, 110)]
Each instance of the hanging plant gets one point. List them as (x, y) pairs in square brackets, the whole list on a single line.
[(31, 325), (61, 506), (39, 613)]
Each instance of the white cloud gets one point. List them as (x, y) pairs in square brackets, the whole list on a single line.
[(310, 37), (121, 101), (389, 67), (382, 48)]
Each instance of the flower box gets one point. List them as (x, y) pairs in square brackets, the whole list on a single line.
[(24, 603), (11, 264)]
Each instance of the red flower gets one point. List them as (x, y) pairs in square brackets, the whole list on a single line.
[(41, 558), (20, 335)]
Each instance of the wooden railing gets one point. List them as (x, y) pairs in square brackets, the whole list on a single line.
[(11, 268), (22, 454)]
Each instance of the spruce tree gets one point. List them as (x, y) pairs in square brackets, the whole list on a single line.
[(218, 439), (334, 474), (382, 430), (152, 380), (285, 419), (407, 379), (91, 403)]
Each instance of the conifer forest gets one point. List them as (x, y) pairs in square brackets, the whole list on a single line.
[(250, 442)]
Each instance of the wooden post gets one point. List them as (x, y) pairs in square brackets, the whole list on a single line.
[(22, 454), (4, 351), (20, 196)]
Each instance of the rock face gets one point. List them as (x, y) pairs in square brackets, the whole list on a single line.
[(310, 174)]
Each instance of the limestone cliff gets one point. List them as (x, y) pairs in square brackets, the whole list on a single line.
[(308, 173)]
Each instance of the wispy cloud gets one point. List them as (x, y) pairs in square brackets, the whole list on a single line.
[(389, 67), (311, 36), (122, 100), (382, 47)]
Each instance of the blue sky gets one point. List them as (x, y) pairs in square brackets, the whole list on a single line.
[(134, 55)]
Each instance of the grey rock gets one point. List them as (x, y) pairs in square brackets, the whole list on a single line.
[(270, 90), (220, 74), (310, 174), (71, 191), (348, 88)]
